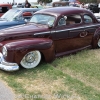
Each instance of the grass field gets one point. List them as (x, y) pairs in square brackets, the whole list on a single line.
[(74, 77)]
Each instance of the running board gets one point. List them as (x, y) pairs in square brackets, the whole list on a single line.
[(72, 51)]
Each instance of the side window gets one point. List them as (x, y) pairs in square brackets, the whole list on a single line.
[(0, 9), (3, 9), (87, 19), (73, 19), (61, 22)]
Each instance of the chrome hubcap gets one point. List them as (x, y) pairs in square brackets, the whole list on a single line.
[(30, 58)]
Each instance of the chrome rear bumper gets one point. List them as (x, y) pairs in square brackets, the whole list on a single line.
[(6, 65)]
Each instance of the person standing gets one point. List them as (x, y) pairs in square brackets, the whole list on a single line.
[(82, 5), (27, 4)]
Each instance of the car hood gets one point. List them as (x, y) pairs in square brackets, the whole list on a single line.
[(23, 29), (5, 22)]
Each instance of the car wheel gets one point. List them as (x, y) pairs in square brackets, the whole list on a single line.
[(31, 59), (98, 43)]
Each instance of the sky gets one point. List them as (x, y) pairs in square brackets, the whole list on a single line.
[(19, 1)]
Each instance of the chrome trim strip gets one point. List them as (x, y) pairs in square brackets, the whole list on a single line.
[(93, 25), (53, 31), (71, 29), (7, 66), (42, 33), (77, 28)]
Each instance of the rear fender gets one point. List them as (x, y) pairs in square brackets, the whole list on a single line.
[(96, 38)]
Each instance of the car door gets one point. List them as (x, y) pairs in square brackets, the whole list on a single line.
[(61, 35), (69, 37), (90, 27)]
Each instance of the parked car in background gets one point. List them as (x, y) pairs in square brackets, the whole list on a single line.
[(16, 16), (60, 3), (19, 5), (37, 6), (97, 15), (94, 7), (51, 33), (4, 8)]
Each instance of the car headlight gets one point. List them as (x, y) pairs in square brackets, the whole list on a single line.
[(4, 51)]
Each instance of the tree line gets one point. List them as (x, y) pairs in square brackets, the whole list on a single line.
[(88, 1), (85, 1)]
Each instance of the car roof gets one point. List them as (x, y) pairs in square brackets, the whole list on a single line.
[(6, 5), (63, 10), (27, 9)]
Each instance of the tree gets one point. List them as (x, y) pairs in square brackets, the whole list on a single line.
[(45, 1), (89, 1)]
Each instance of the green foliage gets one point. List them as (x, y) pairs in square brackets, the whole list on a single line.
[(45, 1), (75, 77), (88, 1)]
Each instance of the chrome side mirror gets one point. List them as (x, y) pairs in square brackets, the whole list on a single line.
[(50, 25), (26, 20), (65, 17)]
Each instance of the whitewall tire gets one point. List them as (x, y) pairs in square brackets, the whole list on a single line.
[(31, 59)]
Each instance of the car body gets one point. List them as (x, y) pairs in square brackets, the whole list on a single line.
[(16, 16), (4, 8), (51, 33)]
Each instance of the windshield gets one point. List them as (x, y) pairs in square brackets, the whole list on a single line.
[(11, 14), (43, 19)]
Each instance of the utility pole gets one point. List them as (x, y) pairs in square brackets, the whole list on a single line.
[(13, 2)]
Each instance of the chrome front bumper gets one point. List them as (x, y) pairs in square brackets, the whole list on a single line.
[(6, 65)]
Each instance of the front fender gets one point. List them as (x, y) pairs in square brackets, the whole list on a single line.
[(18, 48)]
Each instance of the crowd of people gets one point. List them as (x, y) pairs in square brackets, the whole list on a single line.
[(93, 7), (26, 4)]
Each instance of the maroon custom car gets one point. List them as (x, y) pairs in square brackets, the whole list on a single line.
[(51, 33)]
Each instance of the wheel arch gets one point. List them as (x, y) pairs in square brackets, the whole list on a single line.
[(95, 38)]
